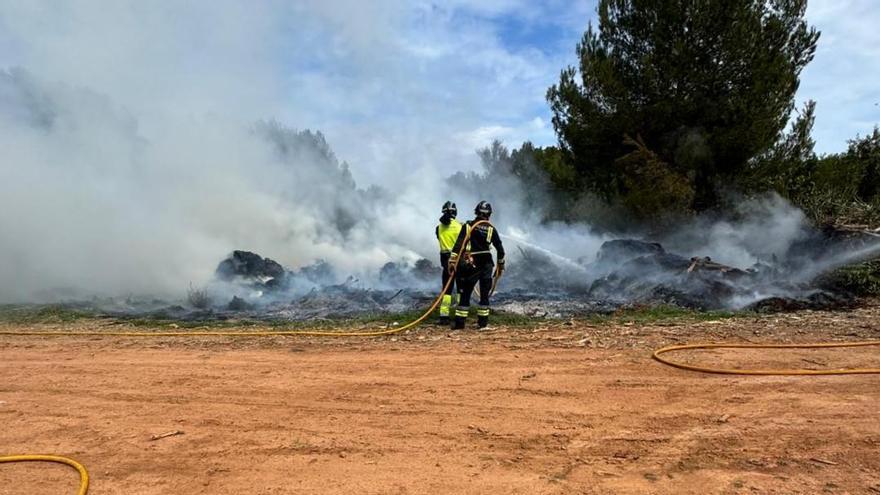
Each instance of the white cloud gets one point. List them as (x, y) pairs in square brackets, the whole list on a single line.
[(484, 135), (535, 130)]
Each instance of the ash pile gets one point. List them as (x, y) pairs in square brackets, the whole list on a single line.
[(262, 288), (624, 272), (628, 271)]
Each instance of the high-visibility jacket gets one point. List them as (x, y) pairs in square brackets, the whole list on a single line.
[(447, 234)]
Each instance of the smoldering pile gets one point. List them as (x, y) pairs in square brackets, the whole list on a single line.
[(624, 272), (261, 287), (631, 271)]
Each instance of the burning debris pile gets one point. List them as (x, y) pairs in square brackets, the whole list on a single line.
[(262, 288), (262, 273), (623, 272), (631, 271)]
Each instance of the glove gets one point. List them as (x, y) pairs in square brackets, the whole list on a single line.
[(500, 267), (453, 261)]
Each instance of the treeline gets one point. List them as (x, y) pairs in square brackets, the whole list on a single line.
[(676, 104)]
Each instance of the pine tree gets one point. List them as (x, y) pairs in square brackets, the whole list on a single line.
[(708, 85)]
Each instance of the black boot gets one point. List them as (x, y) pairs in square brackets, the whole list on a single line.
[(460, 318), (443, 321), (482, 316)]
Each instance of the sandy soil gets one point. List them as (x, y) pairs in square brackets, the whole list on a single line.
[(561, 408)]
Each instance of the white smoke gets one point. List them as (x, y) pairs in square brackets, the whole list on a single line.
[(90, 202), (755, 230), (139, 149), (95, 204)]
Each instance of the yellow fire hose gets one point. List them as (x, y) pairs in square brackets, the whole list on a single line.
[(733, 371), (84, 475)]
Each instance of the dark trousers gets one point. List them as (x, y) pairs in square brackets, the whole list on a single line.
[(467, 278)]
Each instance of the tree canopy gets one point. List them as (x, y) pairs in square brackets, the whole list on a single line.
[(700, 88)]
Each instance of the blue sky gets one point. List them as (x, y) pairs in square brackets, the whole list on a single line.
[(397, 86)]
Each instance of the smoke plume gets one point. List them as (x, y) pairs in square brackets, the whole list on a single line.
[(139, 151)]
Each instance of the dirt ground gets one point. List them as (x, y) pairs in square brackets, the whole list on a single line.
[(564, 407)]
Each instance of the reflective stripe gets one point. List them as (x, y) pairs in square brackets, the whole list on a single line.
[(489, 234), (445, 303), (462, 312), (481, 252), (483, 311)]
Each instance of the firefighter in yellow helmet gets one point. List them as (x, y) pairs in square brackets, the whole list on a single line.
[(447, 232), (476, 267)]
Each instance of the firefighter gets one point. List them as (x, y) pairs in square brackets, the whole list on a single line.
[(447, 232), (476, 265)]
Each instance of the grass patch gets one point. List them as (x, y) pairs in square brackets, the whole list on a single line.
[(161, 321), (379, 320), (52, 313), (862, 279), (661, 314), (496, 318), (57, 313)]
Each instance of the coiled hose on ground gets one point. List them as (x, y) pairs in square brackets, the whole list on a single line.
[(786, 372)]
